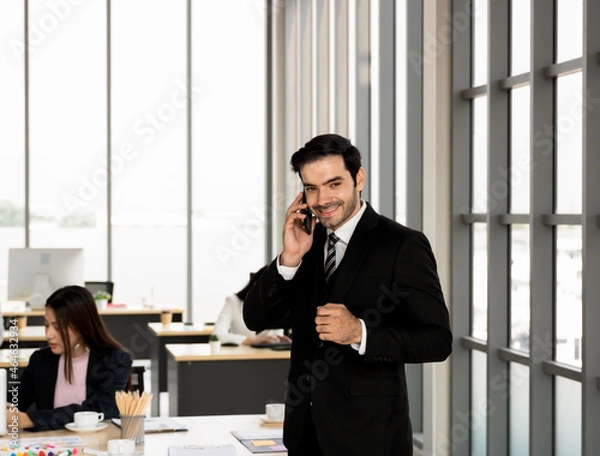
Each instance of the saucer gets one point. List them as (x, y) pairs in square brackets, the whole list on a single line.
[(265, 419), (101, 425)]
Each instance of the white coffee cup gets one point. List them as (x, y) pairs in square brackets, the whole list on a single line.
[(120, 447), (275, 411), (87, 420)]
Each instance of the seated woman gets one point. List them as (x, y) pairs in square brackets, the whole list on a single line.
[(81, 369), (230, 326)]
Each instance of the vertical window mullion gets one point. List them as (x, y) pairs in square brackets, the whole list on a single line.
[(408, 154), (591, 230), (305, 72), (461, 238), (359, 99), (498, 297), (339, 67), (109, 184), (387, 117), (321, 63), (541, 237)]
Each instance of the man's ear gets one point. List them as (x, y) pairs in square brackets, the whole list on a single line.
[(360, 179)]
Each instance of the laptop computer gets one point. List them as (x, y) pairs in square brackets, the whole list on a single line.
[(274, 345)]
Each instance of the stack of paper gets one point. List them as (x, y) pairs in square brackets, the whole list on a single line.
[(198, 450), (158, 424)]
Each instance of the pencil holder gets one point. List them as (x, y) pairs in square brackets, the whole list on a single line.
[(132, 427), (132, 408)]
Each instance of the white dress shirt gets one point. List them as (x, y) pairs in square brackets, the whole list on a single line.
[(230, 326)]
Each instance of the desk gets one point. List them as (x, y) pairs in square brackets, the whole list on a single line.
[(203, 430), (7, 357), (28, 337), (128, 326), (236, 380), (174, 333), (11, 359)]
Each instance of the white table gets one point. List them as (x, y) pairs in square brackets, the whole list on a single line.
[(203, 430)]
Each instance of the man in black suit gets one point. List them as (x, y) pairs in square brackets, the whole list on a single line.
[(360, 306)]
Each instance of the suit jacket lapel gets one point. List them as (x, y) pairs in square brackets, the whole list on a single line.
[(359, 245)]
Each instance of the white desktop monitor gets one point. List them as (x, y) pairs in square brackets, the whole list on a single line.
[(34, 274)]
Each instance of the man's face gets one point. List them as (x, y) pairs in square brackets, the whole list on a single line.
[(330, 191)]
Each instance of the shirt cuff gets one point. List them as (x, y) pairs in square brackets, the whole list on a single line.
[(286, 272), (362, 347)]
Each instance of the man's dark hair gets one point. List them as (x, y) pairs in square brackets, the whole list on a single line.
[(323, 146)]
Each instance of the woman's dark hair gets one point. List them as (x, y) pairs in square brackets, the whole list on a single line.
[(323, 146), (254, 276), (75, 308)]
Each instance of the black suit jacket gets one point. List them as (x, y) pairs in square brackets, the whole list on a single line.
[(107, 373), (358, 404)]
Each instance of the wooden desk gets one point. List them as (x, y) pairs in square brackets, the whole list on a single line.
[(236, 380), (9, 359), (28, 337), (203, 430), (128, 326), (174, 333), (21, 357)]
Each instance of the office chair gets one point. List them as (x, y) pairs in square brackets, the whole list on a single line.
[(108, 286), (136, 379)]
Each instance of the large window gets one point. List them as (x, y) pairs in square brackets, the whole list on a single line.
[(229, 206), (142, 124), (149, 112), (529, 114), (67, 131)]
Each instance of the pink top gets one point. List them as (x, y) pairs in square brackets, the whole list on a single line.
[(71, 393)]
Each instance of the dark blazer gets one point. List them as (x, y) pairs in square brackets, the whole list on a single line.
[(106, 374), (388, 278)]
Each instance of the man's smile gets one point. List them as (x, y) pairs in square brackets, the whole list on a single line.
[(327, 211)]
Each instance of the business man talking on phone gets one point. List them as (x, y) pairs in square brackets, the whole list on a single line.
[(362, 296)]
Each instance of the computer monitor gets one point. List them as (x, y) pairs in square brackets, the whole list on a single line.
[(34, 274), (107, 286)]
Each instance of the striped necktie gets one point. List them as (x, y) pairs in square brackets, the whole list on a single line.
[(330, 261)]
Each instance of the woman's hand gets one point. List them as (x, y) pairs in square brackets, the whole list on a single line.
[(17, 419)]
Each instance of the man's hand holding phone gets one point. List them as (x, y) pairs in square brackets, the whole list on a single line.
[(296, 238), (307, 223)]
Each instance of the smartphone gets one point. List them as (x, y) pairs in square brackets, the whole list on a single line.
[(307, 222)]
